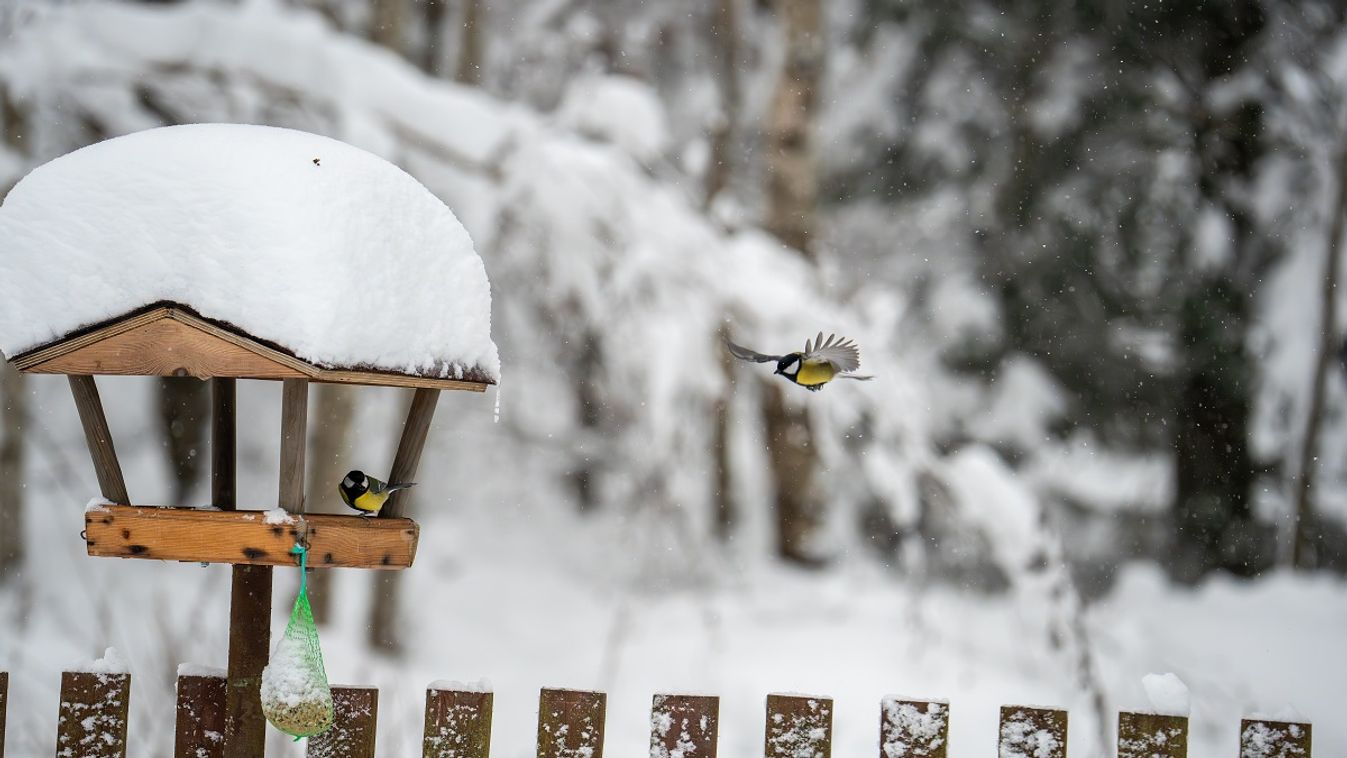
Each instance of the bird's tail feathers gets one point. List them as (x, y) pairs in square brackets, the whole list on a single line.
[(394, 487), (857, 377)]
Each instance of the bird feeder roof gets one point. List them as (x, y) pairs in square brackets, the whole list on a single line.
[(244, 251)]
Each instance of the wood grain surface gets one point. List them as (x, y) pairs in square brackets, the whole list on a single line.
[(200, 724), (99, 439), (457, 725), (173, 341), (244, 537)]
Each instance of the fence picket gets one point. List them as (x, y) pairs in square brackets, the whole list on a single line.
[(1152, 735), (570, 723), (913, 728), (684, 726), (354, 723), (799, 726), (458, 724), (1032, 732), (200, 723), (1260, 738), (92, 721)]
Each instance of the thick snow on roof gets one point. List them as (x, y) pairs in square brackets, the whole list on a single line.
[(324, 249)]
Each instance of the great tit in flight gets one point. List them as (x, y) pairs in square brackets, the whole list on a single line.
[(820, 362), (367, 494)]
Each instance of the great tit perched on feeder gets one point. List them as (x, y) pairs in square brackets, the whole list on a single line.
[(820, 362), (367, 494)]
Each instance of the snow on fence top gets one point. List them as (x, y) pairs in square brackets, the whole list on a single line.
[(325, 250)]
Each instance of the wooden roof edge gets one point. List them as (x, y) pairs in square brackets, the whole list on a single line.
[(473, 380)]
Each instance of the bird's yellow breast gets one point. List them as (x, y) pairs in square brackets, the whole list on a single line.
[(814, 373), (368, 501)]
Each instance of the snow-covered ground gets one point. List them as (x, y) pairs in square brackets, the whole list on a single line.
[(512, 588)]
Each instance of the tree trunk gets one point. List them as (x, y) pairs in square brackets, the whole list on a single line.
[(13, 122), (792, 176), (330, 454), (726, 509), (11, 470), (1213, 467), (386, 21), (792, 193), (1301, 547), (799, 509), (725, 35), (184, 409), (469, 69), (589, 399), (433, 16)]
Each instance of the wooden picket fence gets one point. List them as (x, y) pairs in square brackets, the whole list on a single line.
[(93, 721)]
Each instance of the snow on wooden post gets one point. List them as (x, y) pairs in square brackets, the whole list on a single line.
[(355, 721), (458, 724), (570, 723), (684, 726), (200, 724), (99, 438), (1259, 738), (92, 721), (1032, 732), (799, 726), (1152, 735), (913, 728)]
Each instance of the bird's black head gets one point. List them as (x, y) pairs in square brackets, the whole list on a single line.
[(355, 481), (789, 365)]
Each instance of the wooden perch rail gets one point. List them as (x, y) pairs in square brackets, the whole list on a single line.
[(244, 537)]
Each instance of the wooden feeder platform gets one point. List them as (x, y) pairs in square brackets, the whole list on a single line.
[(246, 537)]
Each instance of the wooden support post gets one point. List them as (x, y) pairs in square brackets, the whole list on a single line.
[(92, 721), (223, 492), (413, 440), (682, 726), (294, 439), (99, 438), (4, 701), (200, 725), (1037, 732), (249, 643), (1274, 739), (458, 724), (799, 726), (913, 728), (570, 723), (249, 602), (356, 717), (1152, 735)]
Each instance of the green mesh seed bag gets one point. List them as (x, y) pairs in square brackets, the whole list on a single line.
[(296, 698)]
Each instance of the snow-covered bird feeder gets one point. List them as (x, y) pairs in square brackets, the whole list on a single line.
[(227, 252)]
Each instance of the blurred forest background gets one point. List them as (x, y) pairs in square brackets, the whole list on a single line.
[(1091, 250)]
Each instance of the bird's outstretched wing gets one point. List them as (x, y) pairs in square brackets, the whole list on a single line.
[(841, 353), (744, 354)]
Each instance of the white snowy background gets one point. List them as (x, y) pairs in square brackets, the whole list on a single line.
[(585, 214)]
